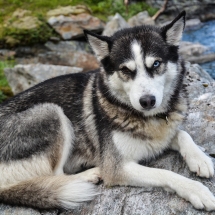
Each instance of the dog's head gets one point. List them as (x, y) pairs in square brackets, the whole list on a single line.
[(141, 63)]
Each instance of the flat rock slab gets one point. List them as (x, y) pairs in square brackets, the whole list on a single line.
[(72, 26), (68, 10), (22, 77), (71, 59), (69, 46)]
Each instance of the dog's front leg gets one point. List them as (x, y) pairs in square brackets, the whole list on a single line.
[(196, 160), (193, 191)]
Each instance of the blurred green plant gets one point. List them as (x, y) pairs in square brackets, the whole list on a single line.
[(5, 90), (103, 8), (100, 8), (30, 36)]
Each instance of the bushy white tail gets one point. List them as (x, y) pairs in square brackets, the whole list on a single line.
[(76, 192), (49, 192)]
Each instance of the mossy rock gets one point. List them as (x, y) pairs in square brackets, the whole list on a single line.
[(24, 29), (69, 10), (6, 91)]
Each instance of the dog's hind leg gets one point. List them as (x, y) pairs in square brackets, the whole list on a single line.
[(195, 158), (34, 146)]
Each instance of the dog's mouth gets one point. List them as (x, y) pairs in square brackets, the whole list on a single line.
[(148, 109)]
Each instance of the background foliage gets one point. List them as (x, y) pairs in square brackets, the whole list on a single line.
[(5, 90)]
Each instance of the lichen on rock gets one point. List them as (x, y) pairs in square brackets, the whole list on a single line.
[(22, 28)]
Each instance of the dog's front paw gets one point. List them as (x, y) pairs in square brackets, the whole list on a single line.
[(199, 196), (199, 162)]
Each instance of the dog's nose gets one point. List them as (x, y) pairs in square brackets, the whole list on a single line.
[(147, 102)]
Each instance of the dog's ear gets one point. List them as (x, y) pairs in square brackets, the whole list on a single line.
[(173, 31), (99, 44)]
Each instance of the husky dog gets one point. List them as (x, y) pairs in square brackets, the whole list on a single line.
[(109, 119)]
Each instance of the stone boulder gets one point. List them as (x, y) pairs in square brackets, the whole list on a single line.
[(135, 201), (68, 10), (21, 27), (64, 53), (141, 18), (195, 8), (195, 52), (189, 49), (72, 26), (115, 23), (22, 77), (200, 124), (192, 24), (69, 46), (71, 59), (69, 53)]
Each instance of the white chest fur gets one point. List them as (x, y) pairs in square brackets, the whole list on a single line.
[(136, 149)]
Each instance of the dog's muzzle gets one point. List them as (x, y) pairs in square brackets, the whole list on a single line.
[(147, 101)]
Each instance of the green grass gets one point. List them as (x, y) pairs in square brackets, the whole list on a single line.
[(5, 91), (102, 8)]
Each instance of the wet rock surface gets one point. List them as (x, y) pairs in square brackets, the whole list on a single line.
[(129, 200)]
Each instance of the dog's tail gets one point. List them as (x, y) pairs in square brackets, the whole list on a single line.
[(49, 192)]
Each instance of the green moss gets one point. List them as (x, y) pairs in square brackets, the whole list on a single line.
[(101, 9), (5, 90), (28, 36)]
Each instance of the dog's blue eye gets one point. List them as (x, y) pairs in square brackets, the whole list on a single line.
[(156, 64)]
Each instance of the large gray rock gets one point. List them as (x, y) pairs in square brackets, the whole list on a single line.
[(141, 18), (195, 8), (22, 77), (202, 58), (72, 59), (115, 23), (196, 75), (193, 24), (137, 201), (195, 52), (71, 27), (64, 53), (68, 10), (189, 49), (69, 46)]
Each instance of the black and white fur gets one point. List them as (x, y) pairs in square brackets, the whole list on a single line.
[(108, 119)]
